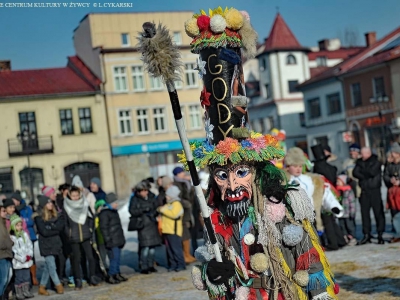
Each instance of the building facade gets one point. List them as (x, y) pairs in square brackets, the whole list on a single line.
[(53, 128), (143, 135)]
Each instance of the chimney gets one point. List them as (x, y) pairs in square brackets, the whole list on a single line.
[(370, 38), (5, 65), (323, 44)]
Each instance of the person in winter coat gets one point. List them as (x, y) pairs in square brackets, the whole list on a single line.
[(63, 190), (333, 160), (6, 253), (144, 207), (349, 165), (95, 188), (321, 166), (25, 212), (79, 228), (9, 206), (22, 261), (172, 229), (369, 175), (49, 225), (50, 192), (113, 235), (347, 220)]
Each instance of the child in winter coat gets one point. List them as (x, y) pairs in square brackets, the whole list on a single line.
[(49, 226), (79, 228), (113, 235), (347, 220), (171, 227), (22, 261)]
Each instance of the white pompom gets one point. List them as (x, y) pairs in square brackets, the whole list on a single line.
[(292, 234), (242, 293), (217, 24), (197, 280)]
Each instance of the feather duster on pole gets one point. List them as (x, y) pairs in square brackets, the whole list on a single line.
[(162, 59)]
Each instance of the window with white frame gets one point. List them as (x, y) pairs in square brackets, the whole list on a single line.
[(138, 78), (159, 119), (156, 83), (195, 117), (125, 122), (142, 121), (125, 40), (191, 75), (177, 38), (290, 59), (120, 83)]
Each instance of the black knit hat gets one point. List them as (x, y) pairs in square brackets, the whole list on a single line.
[(16, 196), (8, 202), (43, 200), (111, 197)]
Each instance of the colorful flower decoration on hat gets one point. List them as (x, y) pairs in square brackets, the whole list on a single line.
[(201, 67), (209, 130), (205, 97), (256, 148)]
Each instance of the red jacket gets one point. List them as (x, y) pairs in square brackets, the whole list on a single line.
[(394, 198)]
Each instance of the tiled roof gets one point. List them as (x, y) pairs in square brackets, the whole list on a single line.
[(317, 70), (355, 60), (76, 78), (341, 53)]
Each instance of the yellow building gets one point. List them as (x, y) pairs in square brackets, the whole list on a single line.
[(53, 126), (142, 129)]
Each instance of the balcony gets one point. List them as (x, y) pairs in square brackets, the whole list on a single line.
[(38, 145)]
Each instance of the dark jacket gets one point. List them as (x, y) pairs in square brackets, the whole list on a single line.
[(5, 241), (78, 233), (25, 212), (391, 170), (111, 228), (49, 235), (146, 209), (368, 172), (100, 194), (327, 170), (60, 202)]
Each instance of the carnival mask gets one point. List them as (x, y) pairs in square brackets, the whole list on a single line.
[(234, 183)]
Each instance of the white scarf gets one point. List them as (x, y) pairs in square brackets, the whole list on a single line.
[(77, 210)]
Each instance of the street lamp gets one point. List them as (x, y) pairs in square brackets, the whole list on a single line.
[(28, 141)]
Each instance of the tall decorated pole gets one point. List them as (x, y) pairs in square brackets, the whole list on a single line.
[(162, 59)]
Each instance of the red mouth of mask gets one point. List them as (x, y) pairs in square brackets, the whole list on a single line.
[(237, 195)]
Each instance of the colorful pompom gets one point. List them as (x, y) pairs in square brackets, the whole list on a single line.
[(197, 280), (259, 262), (292, 234), (203, 22), (202, 254), (336, 289), (242, 293), (191, 27), (301, 278), (245, 15), (275, 212), (234, 19), (217, 24)]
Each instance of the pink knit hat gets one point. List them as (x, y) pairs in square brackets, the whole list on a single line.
[(48, 191)]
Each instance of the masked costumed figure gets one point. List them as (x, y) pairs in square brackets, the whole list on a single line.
[(263, 224)]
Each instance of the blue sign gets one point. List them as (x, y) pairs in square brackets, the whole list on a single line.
[(147, 148)]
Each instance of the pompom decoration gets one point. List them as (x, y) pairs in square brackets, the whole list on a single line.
[(191, 27), (245, 15), (202, 254), (301, 278), (234, 19), (336, 289), (242, 293), (197, 280), (217, 24), (275, 212), (292, 234), (259, 262), (203, 22)]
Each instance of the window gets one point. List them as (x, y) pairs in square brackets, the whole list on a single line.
[(321, 61), (356, 94), (262, 126), (142, 119), (270, 123), (191, 75), (334, 106), (125, 41), (120, 83), (159, 119), (156, 83), (268, 91), (125, 122), (138, 78), (27, 122), (177, 38), (379, 88), (195, 118), (314, 108), (85, 120), (293, 86), (263, 64), (302, 119), (290, 59), (67, 125)]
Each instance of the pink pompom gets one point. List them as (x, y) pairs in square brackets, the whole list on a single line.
[(245, 15), (336, 289), (203, 22), (275, 212), (242, 293)]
